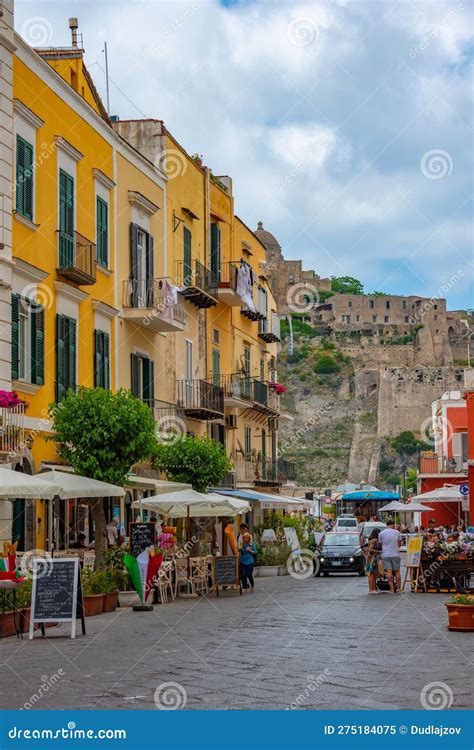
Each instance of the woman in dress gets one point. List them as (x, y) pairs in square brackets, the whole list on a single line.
[(371, 565)]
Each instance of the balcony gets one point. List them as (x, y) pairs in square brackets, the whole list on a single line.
[(170, 420), (431, 463), (269, 329), (146, 303), (77, 258), (12, 437), (200, 399), (262, 472), (199, 285), (228, 285), (249, 393), (257, 310)]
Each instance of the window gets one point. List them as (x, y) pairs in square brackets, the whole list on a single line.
[(436, 317), (385, 320), (248, 440), (24, 178), (262, 370), (187, 257), (435, 307), (27, 340), (357, 318), (102, 232), (216, 336), (374, 318), (404, 304), (66, 220), (387, 305), (66, 347), (141, 271), (349, 303), (371, 304), (247, 381), (215, 250), (291, 278), (142, 379), (406, 319), (101, 359), (346, 318), (216, 366)]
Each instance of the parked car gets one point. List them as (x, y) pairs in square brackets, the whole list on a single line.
[(366, 528), (341, 552), (346, 522)]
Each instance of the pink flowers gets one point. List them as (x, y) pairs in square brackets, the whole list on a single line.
[(9, 399), (278, 388)]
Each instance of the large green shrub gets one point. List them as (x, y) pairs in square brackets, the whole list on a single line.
[(200, 462)]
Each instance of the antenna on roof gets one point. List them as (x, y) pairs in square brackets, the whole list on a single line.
[(107, 77)]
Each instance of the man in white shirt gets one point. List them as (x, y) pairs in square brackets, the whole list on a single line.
[(112, 532), (391, 541)]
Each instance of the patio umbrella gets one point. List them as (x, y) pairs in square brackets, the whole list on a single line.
[(192, 504), (404, 507), (15, 484), (267, 500), (75, 485), (446, 494)]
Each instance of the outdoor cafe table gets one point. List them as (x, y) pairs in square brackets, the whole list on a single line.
[(447, 576)]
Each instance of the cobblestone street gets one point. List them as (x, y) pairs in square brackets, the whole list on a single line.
[(318, 643)]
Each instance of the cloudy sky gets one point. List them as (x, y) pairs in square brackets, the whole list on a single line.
[(346, 126)]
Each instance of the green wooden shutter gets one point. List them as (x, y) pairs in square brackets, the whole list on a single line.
[(15, 333), (71, 353), (102, 232), (37, 344), (188, 256), (60, 356), (135, 370), (215, 250), (98, 359), (66, 220), (216, 366), (24, 178), (134, 265), (148, 381), (150, 265), (106, 361)]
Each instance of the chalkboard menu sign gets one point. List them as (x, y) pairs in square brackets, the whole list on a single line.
[(142, 535), (56, 592), (226, 573)]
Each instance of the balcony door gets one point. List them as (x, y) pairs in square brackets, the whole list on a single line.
[(141, 270), (66, 220), (188, 372)]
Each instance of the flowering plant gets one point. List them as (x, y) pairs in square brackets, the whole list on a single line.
[(8, 399), (278, 388)]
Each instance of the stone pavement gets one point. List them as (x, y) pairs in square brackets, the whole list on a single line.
[(318, 643)]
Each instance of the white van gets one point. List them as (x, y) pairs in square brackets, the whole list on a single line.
[(367, 528), (346, 522)]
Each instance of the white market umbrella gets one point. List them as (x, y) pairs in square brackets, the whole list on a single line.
[(193, 504), (74, 485), (446, 494), (404, 507), (15, 484), (163, 487)]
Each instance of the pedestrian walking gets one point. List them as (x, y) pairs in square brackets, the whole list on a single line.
[(248, 553), (391, 541), (372, 562)]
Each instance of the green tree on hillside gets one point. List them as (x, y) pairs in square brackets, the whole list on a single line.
[(346, 285)]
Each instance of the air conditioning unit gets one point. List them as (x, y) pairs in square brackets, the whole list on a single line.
[(272, 424), (231, 421)]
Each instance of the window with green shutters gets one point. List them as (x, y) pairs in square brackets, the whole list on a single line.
[(215, 250), (24, 178), (102, 232), (27, 340), (66, 220), (101, 359), (66, 347), (143, 378), (216, 366), (188, 258), (248, 440)]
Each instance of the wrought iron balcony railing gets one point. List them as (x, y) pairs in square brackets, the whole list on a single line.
[(256, 392), (200, 399), (197, 283), (77, 258), (148, 302), (12, 434), (269, 329), (263, 471)]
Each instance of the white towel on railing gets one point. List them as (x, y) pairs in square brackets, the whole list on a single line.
[(244, 285)]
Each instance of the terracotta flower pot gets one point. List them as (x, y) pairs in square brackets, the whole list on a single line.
[(128, 598), (461, 617), (7, 624), (110, 601), (460, 556), (25, 619), (93, 604)]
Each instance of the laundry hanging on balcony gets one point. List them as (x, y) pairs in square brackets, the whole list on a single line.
[(245, 283)]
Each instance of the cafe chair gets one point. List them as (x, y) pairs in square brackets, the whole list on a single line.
[(199, 574), (89, 560), (182, 577), (164, 580)]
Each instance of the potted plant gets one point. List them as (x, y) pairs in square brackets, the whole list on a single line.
[(23, 603), (93, 584), (272, 558), (111, 593), (7, 618), (126, 594), (461, 613)]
